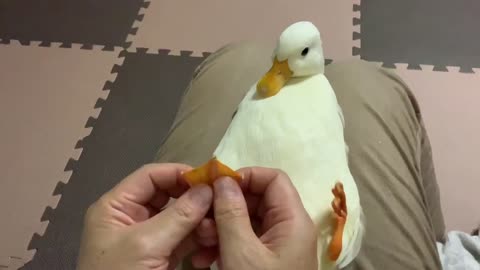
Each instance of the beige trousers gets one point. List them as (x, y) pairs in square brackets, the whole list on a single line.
[(390, 155)]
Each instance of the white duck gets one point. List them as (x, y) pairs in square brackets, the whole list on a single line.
[(291, 120)]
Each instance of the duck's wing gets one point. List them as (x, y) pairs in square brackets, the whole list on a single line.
[(340, 114), (234, 113)]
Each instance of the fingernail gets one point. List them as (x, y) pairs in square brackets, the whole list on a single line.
[(226, 186), (201, 195)]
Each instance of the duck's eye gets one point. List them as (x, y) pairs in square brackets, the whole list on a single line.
[(305, 51)]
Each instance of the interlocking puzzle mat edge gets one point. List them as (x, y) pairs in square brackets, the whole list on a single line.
[(356, 50)]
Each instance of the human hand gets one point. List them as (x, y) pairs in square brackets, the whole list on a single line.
[(128, 227), (286, 238)]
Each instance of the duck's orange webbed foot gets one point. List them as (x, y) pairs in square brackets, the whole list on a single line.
[(339, 205), (209, 172)]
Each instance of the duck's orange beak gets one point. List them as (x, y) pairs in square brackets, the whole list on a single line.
[(274, 79)]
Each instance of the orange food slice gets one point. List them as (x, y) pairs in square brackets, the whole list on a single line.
[(209, 172)]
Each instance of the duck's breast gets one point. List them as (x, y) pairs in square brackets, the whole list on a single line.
[(300, 131)]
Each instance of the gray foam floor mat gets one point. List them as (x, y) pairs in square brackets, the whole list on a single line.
[(440, 33), (207, 25), (106, 22), (130, 128)]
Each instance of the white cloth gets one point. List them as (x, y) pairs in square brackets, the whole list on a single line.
[(460, 251)]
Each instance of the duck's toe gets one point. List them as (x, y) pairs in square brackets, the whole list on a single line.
[(339, 205)]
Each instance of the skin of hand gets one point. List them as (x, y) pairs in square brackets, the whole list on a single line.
[(130, 227), (285, 237)]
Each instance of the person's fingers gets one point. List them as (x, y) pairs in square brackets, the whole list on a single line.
[(280, 205), (273, 185), (148, 188), (206, 233), (253, 202), (231, 214), (204, 258), (207, 228), (160, 180), (256, 180), (168, 228), (185, 248), (159, 200)]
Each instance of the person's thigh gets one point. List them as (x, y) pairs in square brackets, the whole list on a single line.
[(384, 135)]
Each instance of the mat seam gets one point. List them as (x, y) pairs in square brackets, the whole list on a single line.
[(136, 23), (62, 45), (426, 67), (169, 52), (356, 24), (429, 67)]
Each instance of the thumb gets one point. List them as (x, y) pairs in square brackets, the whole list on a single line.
[(231, 214), (170, 227)]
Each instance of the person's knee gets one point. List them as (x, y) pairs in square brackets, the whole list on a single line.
[(361, 78), (347, 68), (238, 53), (364, 89)]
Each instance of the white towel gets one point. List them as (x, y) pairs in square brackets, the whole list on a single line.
[(460, 251)]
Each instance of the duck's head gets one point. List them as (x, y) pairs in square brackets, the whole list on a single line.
[(298, 53)]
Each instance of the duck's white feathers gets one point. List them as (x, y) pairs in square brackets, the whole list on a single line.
[(299, 130)]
